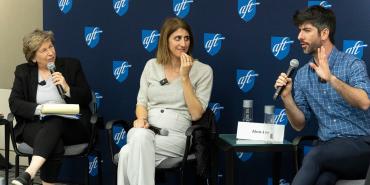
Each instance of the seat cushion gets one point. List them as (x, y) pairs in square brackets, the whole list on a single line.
[(169, 163), (351, 182), (68, 150), (174, 162)]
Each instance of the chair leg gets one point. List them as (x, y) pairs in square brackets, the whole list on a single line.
[(16, 165), (182, 176), (100, 171), (87, 175)]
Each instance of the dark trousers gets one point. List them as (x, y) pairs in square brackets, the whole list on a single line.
[(48, 138), (339, 158)]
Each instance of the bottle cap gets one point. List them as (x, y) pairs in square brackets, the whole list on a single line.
[(269, 109), (247, 103)]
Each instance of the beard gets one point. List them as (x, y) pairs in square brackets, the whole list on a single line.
[(312, 48)]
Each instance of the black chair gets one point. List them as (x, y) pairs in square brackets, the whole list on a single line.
[(7, 165), (302, 141), (198, 154), (73, 151)]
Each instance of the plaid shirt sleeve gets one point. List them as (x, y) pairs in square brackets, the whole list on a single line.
[(359, 77), (300, 97)]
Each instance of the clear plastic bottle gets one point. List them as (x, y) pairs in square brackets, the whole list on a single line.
[(247, 110), (269, 114)]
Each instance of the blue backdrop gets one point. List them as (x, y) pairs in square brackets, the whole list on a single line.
[(246, 42)]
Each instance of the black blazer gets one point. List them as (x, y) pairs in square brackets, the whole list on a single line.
[(22, 100)]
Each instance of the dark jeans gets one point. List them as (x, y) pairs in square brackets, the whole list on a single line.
[(339, 158), (48, 138)]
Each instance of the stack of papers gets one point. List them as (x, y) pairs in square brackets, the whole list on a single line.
[(70, 111)]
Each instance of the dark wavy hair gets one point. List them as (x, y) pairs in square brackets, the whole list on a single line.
[(319, 17)]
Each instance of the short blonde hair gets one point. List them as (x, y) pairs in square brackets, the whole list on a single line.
[(33, 41), (170, 25)]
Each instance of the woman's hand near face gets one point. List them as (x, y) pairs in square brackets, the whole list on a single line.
[(58, 79), (186, 64)]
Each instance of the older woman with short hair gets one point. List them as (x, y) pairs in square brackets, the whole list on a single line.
[(34, 85)]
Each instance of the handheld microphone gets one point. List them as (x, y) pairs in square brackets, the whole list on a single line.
[(294, 63), (159, 131), (51, 67)]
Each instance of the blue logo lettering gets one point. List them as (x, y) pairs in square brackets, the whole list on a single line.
[(244, 156), (324, 4), (181, 7), (149, 38), (120, 70), (93, 165), (65, 5), (247, 9), (212, 43), (245, 79), (280, 46), (281, 181), (92, 36), (120, 6), (280, 117), (354, 47), (216, 108), (119, 136)]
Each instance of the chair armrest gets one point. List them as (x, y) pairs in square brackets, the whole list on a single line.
[(298, 140), (193, 128), (121, 122), (10, 117), (94, 119)]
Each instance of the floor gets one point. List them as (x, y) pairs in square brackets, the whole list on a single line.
[(36, 181)]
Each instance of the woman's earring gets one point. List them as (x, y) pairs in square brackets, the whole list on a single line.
[(34, 61)]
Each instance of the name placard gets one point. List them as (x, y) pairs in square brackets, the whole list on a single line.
[(260, 131)]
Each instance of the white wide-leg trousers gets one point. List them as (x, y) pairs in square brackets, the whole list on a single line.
[(145, 150)]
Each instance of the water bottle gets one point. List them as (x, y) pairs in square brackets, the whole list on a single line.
[(247, 110), (269, 114)]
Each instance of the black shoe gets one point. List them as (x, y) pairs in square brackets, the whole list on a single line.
[(23, 179)]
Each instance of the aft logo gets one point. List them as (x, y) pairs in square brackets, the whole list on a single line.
[(245, 79), (99, 99), (212, 42), (149, 38), (216, 109), (281, 181), (324, 4), (119, 136), (354, 47), (120, 70), (244, 156), (181, 7), (280, 117), (120, 6), (92, 36), (280, 46), (93, 165), (65, 5), (247, 9)]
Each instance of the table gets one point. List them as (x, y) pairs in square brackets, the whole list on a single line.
[(229, 145), (6, 134)]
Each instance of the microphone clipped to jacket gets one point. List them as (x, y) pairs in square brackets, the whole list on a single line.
[(159, 131), (294, 63), (51, 67)]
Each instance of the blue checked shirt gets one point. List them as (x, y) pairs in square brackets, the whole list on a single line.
[(336, 118)]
